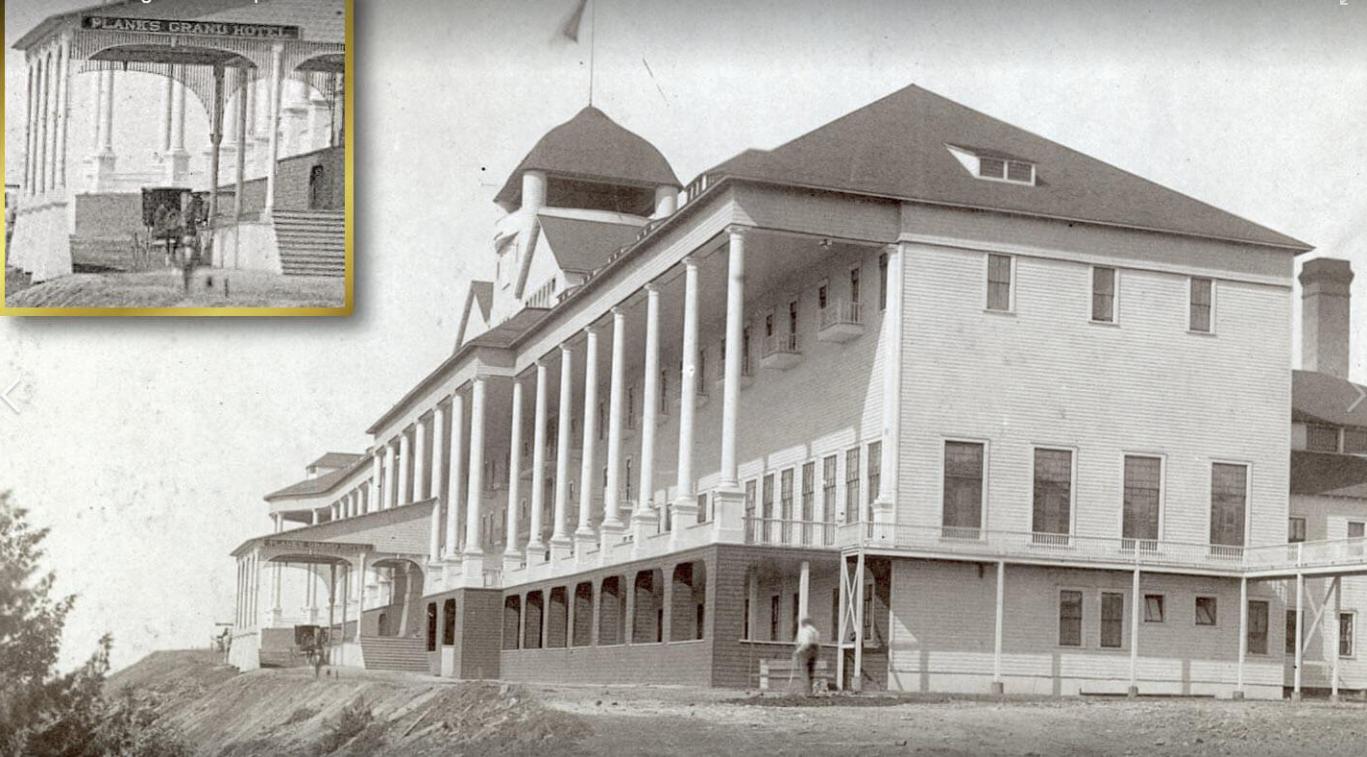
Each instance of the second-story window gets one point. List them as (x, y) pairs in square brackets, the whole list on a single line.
[(664, 391), (792, 320), (602, 419), (852, 507), (626, 480), (999, 282), (821, 296), (769, 325), (631, 406), (1143, 484), (1053, 501), (1228, 503), (828, 479), (785, 495), (1103, 294), (963, 489), (875, 469), (745, 351), (1295, 530), (808, 490), (854, 285), (1202, 305)]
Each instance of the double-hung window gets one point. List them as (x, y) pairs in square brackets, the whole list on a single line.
[(1228, 503), (808, 500), (963, 489), (999, 282), (875, 466), (1257, 626), (1070, 618), (1112, 620), (1053, 501), (852, 506), (1202, 305), (1143, 490), (1103, 294), (1345, 634), (785, 504), (828, 483), (1295, 529)]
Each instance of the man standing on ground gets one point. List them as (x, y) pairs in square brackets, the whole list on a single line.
[(808, 649)]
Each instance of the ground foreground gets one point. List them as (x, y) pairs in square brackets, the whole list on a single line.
[(165, 288), (287, 712)]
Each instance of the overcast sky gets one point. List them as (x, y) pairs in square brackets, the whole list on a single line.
[(146, 444)]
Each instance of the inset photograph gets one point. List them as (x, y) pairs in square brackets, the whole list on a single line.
[(177, 157)]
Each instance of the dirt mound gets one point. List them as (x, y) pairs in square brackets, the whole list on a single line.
[(289, 712)]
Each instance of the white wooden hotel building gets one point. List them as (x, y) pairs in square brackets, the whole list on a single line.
[(995, 414)]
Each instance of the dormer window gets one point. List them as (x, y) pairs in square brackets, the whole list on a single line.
[(995, 166)]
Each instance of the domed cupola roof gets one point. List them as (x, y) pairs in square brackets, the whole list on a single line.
[(591, 146)]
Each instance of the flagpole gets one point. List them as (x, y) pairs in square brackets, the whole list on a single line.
[(593, 43)]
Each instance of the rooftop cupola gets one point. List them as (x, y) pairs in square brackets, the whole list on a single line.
[(592, 163)]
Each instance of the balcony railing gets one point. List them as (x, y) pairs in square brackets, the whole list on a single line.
[(1120, 551), (840, 313), (789, 532), (841, 321), (780, 351), (779, 344)]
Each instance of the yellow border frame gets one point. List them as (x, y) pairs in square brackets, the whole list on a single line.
[(349, 302)]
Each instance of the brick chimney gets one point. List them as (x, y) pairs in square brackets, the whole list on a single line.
[(1325, 320)]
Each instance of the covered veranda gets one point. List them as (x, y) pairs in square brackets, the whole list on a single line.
[(864, 545), (288, 585)]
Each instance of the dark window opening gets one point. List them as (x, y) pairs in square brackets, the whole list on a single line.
[(535, 618), (612, 611), (647, 620), (557, 622), (512, 621), (448, 622), (583, 615)]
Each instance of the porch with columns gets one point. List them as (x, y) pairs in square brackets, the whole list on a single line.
[(589, 480)]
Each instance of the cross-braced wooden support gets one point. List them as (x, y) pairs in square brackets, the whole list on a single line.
[(851, 614)]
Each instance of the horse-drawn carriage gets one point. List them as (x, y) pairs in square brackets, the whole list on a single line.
[(174, 217)]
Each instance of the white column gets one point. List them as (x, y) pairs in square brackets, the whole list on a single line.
[(316, 518), (1243, 637), (512, 556), (588, 479), (804, 587), (612, 521), (998, 685), (1334, 643), (688, 386), (168, 101), (1300, 645), (735, 324), (475, 495), (438, 483), (422, 464), (29, 131), (44, 93), (645, 518), (456, 477), (1134, 635), (377, 475), (97, 104), (387, 498), (178, 115), (240, 169), (63, 112), (277, 73), (884, 506), (406, 469), (535, 549), (560, 539)]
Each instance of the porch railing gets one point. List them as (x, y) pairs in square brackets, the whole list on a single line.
[(1121, 551), (789, 532)]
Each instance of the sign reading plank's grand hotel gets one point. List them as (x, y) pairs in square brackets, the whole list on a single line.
[(199, 28)]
